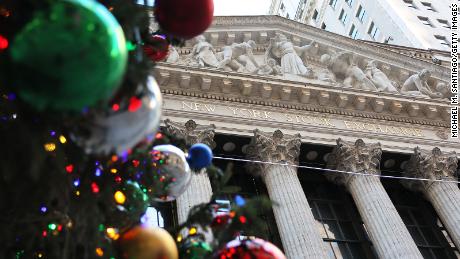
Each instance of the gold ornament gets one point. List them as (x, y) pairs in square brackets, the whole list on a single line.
[(148, 243)]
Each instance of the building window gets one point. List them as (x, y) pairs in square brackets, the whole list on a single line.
[(349, 2), (442, 40), (333, 3), (300, 9), (353, 32), (425, 21), (422, 222), (373, 31), (323, 26), (343, 16), (410, 4), (444, 23), (315, 15), (360, 14), (337, 219), (428, 6)]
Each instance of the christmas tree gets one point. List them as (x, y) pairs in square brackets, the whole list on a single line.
[(83, 155)]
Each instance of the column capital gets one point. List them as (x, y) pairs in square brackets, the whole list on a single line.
[(356, 157), (192, 132), (274, 147), (434, 165)]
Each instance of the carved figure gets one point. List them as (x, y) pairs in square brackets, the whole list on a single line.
[(379, 78), (230, 55), (203, 54), (283, 50), (342, 66), (270, 68), (445, 90), (173, 56), (417, 85)]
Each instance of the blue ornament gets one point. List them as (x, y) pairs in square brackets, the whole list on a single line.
[(199, 156)]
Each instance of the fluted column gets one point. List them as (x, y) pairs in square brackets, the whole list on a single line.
[(444, 196), (199, 191), (386, 229), (295, 221)]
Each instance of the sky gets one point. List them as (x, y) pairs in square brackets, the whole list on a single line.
[(241, 7)]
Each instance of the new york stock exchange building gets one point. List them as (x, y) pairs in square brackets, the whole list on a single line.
[(332, 129)]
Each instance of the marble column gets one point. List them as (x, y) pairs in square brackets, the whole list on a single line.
[(387, 231), (444, 196), (295, 221), (199, 190)]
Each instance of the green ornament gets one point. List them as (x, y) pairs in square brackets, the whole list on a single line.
[(69, 56), (194, 248), (137, 201)]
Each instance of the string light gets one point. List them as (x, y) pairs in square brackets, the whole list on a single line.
[(62, 139), (50, 147), (99, 252), (95, 187), (69, 168), (120, 197), (3, 43), (112, 233), (325, 170)]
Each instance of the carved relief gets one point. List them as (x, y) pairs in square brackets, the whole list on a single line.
[(354, 157), (288, 55), (379, 78), (434, 165), (343, 67), (191, 132), (236, 57), (282, 58), (173, 55), (416, 85), (269, 68), (203, 54)]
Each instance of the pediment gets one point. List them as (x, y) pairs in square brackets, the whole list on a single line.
[(194, 69)]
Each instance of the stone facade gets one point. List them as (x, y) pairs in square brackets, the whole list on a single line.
[(283, 83)]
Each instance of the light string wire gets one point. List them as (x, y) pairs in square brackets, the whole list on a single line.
[(326, 170)]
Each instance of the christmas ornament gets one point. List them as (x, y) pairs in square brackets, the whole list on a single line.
[(136, 201), (250, 248), (122, 127), (157, 48), (184, 18), (69, 56), (147, 243), (199, 156), (172, 171), (194, 248)]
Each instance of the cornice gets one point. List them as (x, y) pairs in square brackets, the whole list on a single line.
[(314, 95)]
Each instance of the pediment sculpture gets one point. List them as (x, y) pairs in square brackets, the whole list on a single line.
[(288, 55), (343, 67), (417, 85), (283, 59)]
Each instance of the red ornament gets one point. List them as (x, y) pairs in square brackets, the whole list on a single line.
[(184, 18), (250, 248), (156, 48)]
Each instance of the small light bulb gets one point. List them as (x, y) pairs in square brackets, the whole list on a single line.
[(120, 197)]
